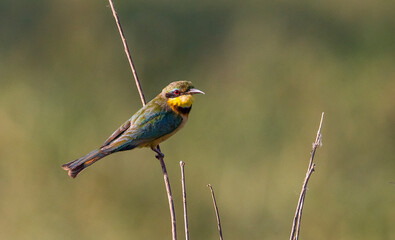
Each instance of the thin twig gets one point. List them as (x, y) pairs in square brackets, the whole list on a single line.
[(311, 170), (138, 85), (184, 200), (298, 213), (216, 212), (125, 45), (169, 196)]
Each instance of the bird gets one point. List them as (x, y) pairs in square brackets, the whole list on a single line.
[(154, 123)]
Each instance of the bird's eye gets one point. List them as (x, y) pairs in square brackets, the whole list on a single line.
[(176, 92)]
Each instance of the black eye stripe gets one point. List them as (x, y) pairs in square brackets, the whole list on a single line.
[(173, 95)]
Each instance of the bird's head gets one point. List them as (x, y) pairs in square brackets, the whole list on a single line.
[(180, 94)]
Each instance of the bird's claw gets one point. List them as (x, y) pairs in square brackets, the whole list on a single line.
[(159, 154)]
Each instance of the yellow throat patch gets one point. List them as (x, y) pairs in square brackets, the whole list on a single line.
[(181, 101)]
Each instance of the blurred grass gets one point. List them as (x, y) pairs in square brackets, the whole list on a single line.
[(268, 69)]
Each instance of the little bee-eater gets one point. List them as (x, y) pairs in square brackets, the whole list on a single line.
[(161, 118)]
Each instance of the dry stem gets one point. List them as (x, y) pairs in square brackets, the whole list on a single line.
[(159, 156), (184, 200), (169, 195), (298, 214), (125, 45), (216, 211)]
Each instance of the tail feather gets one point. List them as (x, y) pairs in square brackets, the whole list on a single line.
[(76, 166)]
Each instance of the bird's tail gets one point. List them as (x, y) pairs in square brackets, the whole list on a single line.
[(76, 166)]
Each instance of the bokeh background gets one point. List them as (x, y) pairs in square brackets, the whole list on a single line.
[(269, 68)]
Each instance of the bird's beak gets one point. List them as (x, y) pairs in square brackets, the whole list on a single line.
[(195, 91)]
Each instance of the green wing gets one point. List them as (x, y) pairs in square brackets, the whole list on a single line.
[(117, 133), (146, 127)]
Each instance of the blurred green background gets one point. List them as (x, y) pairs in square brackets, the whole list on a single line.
[(269, 68)]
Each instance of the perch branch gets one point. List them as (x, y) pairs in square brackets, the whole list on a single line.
[(216, 212), (184, 200), (298, 214), (160, 155)]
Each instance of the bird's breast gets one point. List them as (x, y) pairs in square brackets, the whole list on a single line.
[(165, 137)]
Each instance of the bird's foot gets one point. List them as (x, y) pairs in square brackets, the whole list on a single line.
[(159, 154)]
